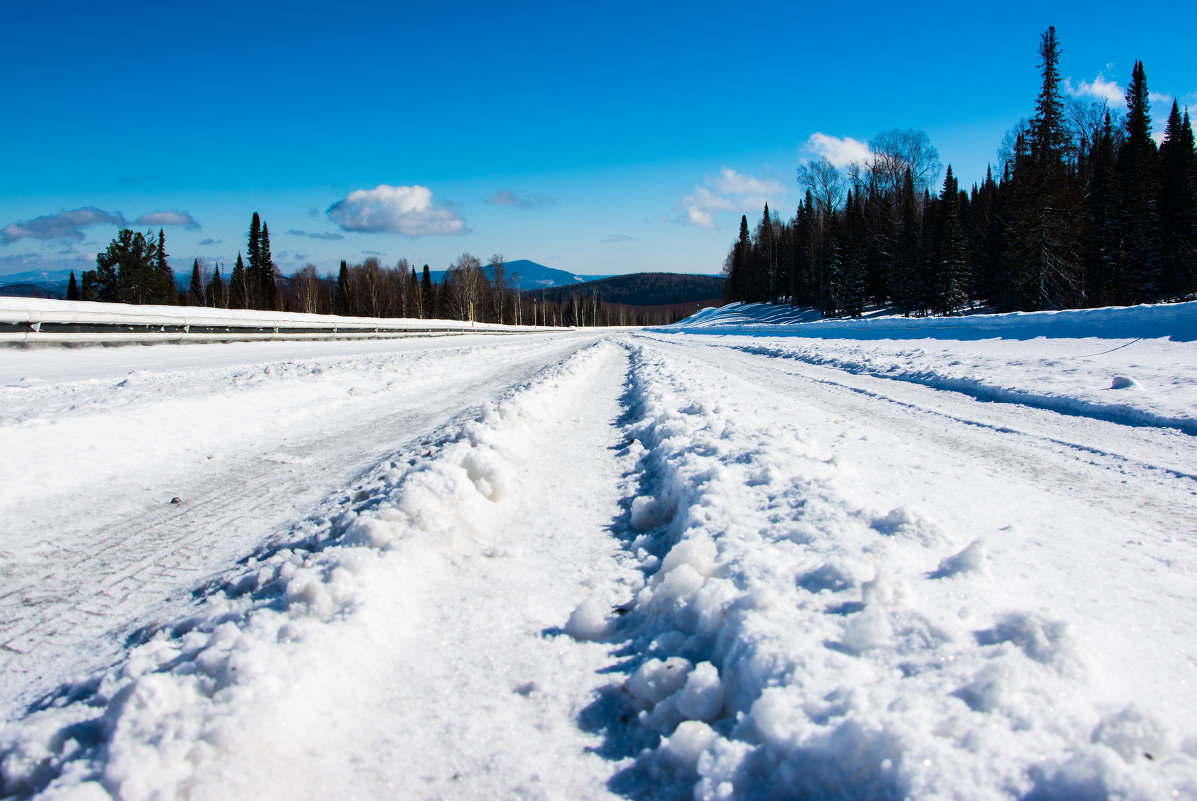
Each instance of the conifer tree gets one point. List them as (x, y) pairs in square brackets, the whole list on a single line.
[(72, 288), (428, 293), (88, 290), (853, 256), (906, 257), (267, 289), (1044, 259), (952, 274), (344, 304), (164, 290), (214, 293), (1104, 253), (239, 295), (1138, 167), (1178, 207), (195, 293), (253, 269)]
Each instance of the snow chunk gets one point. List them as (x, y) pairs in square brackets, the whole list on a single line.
[(588, 621), (656, 680), (702, 697), (647, 513), (970, 560), (1124, 382)]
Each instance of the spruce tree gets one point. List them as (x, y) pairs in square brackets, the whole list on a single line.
[(952, 274), (1043, 255), (344, 303), (195, 293), (88, 290), (239, 296), (1138, 167), (164, 290), (853, 256), (428, 293), (214, 294), (1105, 256), (253, 253), (267, 291), (906, 256), (72, 288), (1178, 207)]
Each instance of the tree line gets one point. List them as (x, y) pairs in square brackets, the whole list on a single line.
[(1087, 211), (134, 269)]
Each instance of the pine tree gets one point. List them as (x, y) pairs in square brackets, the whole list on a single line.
[(88, 290), (1138, 167), (428, 293), (832, 269), (214, 293), (952, 274), (1104, 253), (906, 257), (195, 293), (253, 270), (267, 289), (853, 256), (344, 305), (239, 296), (72, 288), (1178, 207), (1044, 253), (163, 282)]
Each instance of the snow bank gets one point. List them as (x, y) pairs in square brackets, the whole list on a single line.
[(790, 643), (1177, 321), (1130, 365), (196, 706)]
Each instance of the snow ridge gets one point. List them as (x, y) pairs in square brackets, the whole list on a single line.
[(788, 643), (191, 696)]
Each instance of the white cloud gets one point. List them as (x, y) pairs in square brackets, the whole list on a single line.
[(1109, 91), (406, 210), (734, 183), (1099, 89), (618, 238), (839, 151), (160, 219), (729, 191)]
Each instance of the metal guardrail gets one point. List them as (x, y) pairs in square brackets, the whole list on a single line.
[(27, 321)]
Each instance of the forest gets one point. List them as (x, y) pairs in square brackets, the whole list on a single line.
[(1087, 211)]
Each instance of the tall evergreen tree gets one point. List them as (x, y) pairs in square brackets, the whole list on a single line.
[(952, 273), (239, 286), (344, 304), (267, 290), (1104, 253), (428, 293), (163, 289), (214, 293), (1044, 255), (253, 269), (853, 253), (72, 288), (1138, 167), (195, 293), (1178, 207)]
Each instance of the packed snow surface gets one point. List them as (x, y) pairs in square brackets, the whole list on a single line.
[(744, 557)]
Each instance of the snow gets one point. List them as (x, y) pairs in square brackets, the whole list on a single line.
[(733, 558)]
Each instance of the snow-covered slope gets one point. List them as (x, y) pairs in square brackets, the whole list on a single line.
[(740, 564)]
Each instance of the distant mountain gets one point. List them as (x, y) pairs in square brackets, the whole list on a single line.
[(48, 279), (644, 289), (529, 275), (24, 290)]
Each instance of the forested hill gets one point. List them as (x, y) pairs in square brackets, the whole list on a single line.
[(642, 289)]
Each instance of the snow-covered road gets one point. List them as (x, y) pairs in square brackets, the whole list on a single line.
[(701, 562)]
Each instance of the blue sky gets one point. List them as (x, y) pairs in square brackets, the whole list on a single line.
[(598, 138)]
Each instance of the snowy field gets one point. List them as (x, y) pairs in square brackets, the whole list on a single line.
[(742, 557)]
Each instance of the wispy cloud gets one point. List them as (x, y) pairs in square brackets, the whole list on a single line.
[(618, 238), (506, 197), (1109, 91), (66, 225), (208, 242), (159, 219), (406, 210), (840, 151), (729, 191), (297, 232)]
